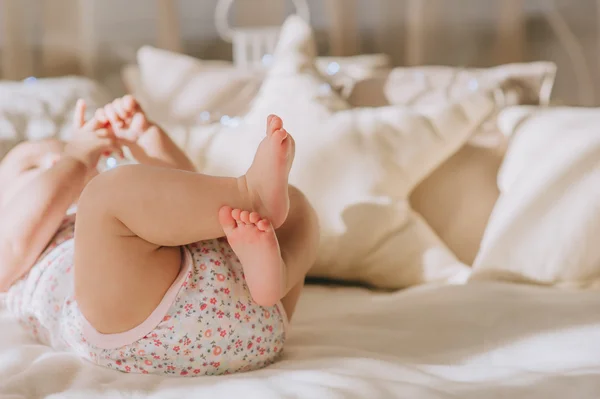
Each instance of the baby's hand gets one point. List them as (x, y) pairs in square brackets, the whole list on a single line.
[(123, 116), (90, 139)]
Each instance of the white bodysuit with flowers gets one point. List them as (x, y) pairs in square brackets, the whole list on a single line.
[(206, 324)]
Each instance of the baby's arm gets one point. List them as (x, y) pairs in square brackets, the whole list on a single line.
[(34, 214)]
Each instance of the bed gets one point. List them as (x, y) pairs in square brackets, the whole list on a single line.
[(427, 342), (460, 261)]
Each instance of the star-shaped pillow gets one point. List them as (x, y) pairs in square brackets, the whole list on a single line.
[(356, 166)]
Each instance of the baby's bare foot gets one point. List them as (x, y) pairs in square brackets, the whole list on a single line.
[(267, 178), (253, 240)]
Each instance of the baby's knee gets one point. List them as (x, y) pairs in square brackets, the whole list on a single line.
[(299, 204), (298, 199), (101, 192)]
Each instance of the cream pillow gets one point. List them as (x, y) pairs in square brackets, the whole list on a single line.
[(546, 224), (179, 89), (458, 197), (41, 108), (357, 166)]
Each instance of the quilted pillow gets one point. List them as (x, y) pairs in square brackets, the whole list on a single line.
[(458, 197), (41, 108), (357, 166), (546, 223), (430, 85)]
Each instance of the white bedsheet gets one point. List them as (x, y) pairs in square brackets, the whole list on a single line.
[(484, 340)]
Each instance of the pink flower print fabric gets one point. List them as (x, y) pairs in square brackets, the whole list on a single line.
[(210, 327)]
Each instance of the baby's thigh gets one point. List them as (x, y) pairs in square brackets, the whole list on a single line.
[(119, 279)]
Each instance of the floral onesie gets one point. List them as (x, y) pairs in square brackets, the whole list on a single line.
[(206, 324)]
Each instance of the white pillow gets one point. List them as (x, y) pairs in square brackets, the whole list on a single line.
[(546, 224), (42, 108), (458, 198), (179, 89), (357, 166)]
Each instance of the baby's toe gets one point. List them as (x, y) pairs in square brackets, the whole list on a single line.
[(226, 220), (279, 136), (235, 213), (263, 225), (254, 217), (245, 217), (274, 123)]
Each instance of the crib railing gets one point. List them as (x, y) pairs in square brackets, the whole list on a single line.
[(67, 41)]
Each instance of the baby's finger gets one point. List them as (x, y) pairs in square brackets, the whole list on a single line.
[(79, 117), (129, 104), (106, 132), (112, 116), (93, 124), (116, 147), (119, 150), (106, 143), (138, 126), (120, 109), (101, 116)]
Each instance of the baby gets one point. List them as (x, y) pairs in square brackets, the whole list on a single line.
[(161, 269)]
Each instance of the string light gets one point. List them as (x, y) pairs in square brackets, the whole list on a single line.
[(473, 84), (333, 68), (267, 60), (111, 163), (324, 89)]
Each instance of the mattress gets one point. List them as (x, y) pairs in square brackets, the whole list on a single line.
[(482, 340)]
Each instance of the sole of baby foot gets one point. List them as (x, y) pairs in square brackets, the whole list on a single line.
[(267, 178), (252, 238)]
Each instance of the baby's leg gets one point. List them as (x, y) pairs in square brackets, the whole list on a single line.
[(275, 262), (299, 242), (148, 143), (132, 220)]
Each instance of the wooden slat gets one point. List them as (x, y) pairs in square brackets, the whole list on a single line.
[(60, 37), (597, 69), (17, 55), (168, 26), (343, 27), (258, 12), (388, 31), (88, 40), (416, 23), (510, 41)]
